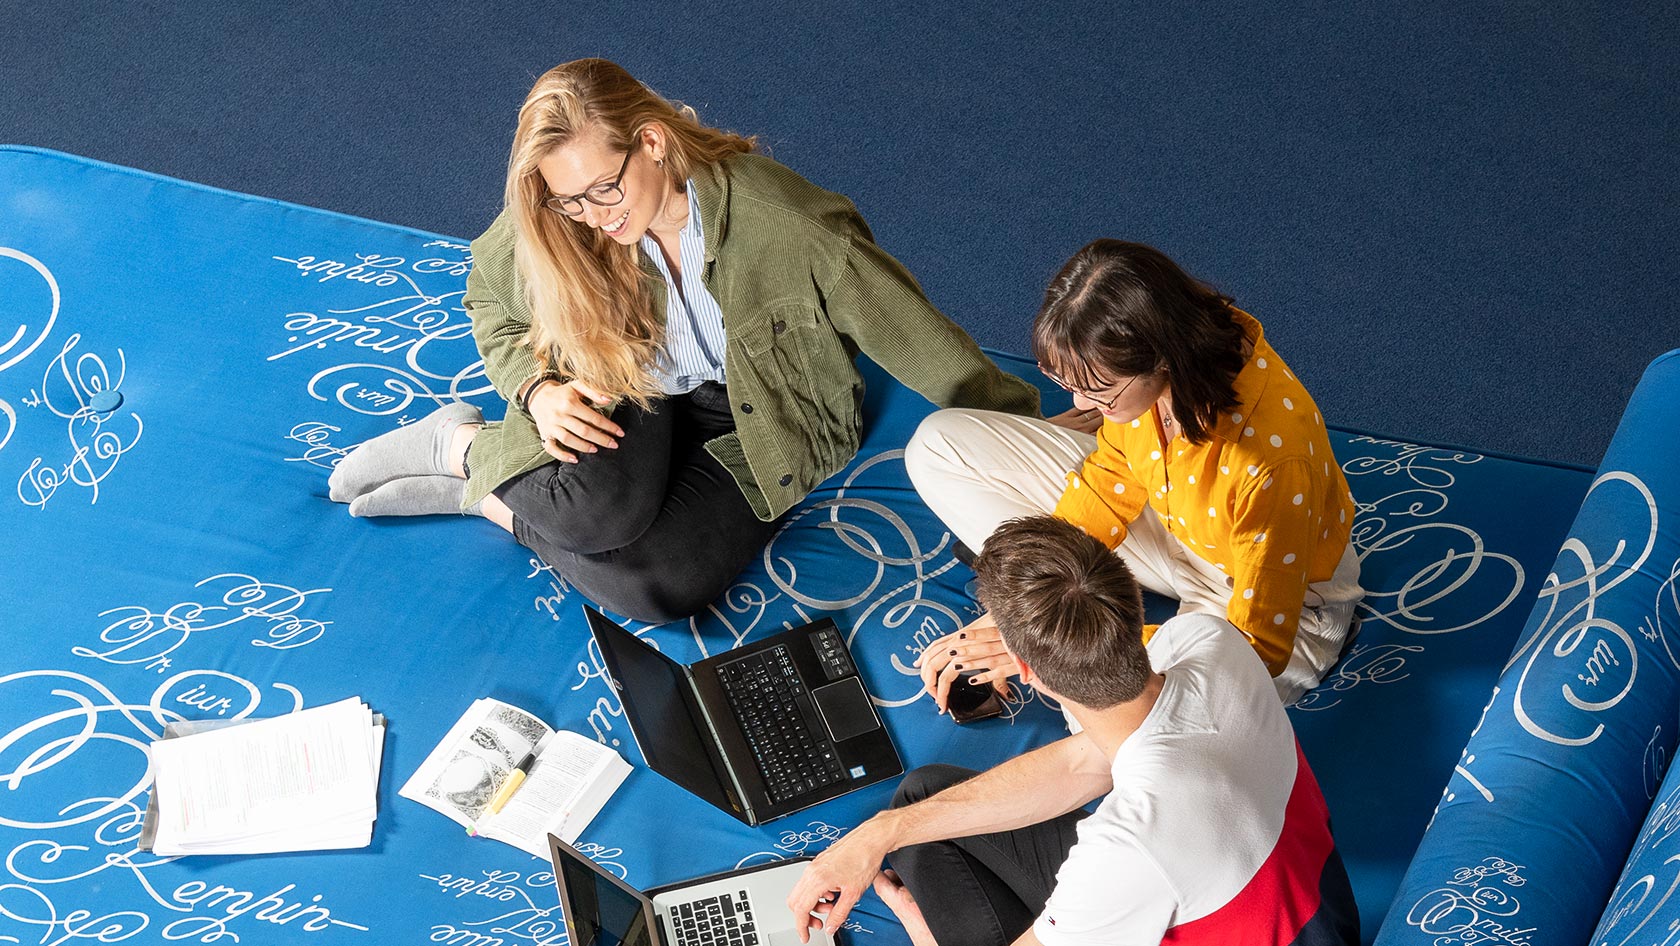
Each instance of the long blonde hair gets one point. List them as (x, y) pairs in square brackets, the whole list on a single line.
[(592, 315)]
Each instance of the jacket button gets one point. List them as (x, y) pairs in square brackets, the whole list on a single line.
[(786, 479), (746, 408), (778, 327)]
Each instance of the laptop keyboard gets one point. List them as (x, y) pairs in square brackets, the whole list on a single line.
[(793, 751), (724, 920)]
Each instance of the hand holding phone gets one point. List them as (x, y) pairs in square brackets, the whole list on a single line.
[(951, 664), (971, 701)]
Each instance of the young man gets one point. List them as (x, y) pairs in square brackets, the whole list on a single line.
[(1212, 830)]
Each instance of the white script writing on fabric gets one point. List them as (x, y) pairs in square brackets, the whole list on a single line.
[(316, 437), (24, 340), (1476, 906), (86, 843), (141, 635), (558, 587), (1650, 879), (1424, 477), (97, 439), (527, 905), (1363, 663), (413, 323), (1587, 661)]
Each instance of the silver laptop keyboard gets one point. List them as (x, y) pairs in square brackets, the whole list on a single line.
[(724, 920)]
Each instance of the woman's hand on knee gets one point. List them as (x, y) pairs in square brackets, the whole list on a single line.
[(569, 422), (975, 651)]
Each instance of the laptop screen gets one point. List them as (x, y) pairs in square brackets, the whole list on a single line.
[(658, 701), (598, 911)]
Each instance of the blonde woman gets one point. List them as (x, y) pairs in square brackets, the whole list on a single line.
[(672, 320)]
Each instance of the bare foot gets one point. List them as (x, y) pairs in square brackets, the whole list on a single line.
[(897, 897)]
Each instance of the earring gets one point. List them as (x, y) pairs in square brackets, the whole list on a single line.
[(659, 163)]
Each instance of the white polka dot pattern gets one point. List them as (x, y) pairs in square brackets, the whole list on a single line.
[(1259, 528)]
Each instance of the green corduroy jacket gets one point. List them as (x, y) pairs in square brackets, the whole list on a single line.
[(803, 289)]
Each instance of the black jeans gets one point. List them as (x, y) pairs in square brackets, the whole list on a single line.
[(985, 889), (653, 530)]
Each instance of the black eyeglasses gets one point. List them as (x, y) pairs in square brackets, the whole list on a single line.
[(1106, 405), (609, 194)]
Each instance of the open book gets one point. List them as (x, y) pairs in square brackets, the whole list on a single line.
[(571, 780)]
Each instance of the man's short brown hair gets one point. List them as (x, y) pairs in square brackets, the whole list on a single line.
[(1068, 607)]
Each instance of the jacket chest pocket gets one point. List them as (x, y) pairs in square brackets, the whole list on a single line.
[(780, 329), (794, 342), (802, 372)]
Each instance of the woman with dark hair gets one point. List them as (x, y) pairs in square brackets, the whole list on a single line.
[(1211, 474), (672, 321)]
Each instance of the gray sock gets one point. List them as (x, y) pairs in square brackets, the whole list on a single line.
[(420, 449), (416, 496)]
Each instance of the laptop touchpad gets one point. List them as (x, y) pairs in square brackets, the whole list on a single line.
[(845, 707)]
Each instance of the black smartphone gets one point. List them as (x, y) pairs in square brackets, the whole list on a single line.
[(971, 701)]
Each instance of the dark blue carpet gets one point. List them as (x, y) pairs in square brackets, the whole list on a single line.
[(1457, 221)]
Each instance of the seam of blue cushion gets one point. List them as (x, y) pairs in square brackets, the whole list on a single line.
[(252, 198)]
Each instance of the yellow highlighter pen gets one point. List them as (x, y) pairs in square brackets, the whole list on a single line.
[(514, 780)]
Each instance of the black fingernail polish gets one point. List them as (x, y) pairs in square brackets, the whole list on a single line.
[(953, 653), (962, 635), (959, 666)]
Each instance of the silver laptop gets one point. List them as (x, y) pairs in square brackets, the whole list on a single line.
[(746, 907)]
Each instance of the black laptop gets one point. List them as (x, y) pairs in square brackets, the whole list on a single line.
[(761, 731)]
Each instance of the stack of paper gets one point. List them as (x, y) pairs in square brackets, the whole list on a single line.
[(306, 781)]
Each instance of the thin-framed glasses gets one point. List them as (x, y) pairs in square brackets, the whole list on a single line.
[(608, 194), (1106, 405)]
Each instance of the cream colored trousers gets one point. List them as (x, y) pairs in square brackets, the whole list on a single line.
[(977, 469)]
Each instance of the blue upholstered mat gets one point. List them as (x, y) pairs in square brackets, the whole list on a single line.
[(175, 555)]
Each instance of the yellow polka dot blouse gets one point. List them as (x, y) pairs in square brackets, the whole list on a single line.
[(1262, 500)]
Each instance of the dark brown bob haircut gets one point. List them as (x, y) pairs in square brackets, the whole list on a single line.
[(1068, 607), (1121, 309)]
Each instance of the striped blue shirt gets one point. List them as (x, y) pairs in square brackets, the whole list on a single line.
[(694, 333)]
